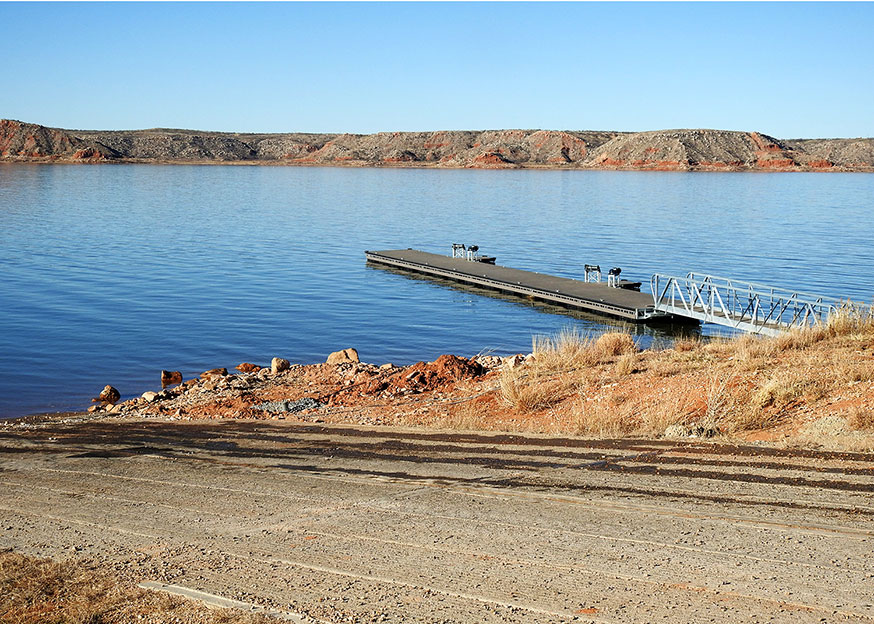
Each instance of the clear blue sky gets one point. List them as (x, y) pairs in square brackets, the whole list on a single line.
[(786, 69)]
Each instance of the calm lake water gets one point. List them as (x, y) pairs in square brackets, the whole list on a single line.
[(111, 273)]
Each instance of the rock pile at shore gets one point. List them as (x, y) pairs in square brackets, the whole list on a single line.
[(285, 388)]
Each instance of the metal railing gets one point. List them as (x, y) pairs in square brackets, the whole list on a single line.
[(746, 306)]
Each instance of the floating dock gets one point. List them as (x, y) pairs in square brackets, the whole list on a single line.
[(596, 297)]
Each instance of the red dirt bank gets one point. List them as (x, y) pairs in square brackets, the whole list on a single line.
[(795, 391)]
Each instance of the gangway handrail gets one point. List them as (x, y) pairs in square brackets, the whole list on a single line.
[(813, 298), (748, 306)]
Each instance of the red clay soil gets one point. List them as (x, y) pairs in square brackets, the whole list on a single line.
[(792, 397), (440, 374)]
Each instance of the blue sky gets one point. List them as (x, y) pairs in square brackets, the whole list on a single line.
[(786, 69)]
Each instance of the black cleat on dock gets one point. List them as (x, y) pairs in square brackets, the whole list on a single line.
[(595, 297)]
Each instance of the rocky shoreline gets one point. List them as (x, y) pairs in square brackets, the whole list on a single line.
[(291, 390), (662, 150), (773, 391)]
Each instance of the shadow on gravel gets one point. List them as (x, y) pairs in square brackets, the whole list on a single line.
[(220, 441), (120, 432), (542, 486)]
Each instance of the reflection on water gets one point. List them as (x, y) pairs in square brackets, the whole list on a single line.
[(586, 321), (112, 273)]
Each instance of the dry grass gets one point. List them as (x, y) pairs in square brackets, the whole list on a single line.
[(784, 387), (472, 415), (802, 338), (605, 386), (559, 367), (850, 372), (749, 419), (613, 344), (721, 403), (567, 350), (40, 591), (525, 395), (666, 366), (848, 322), (684, 345), (567, 344), (682, 407), (750, 348), (861, 419), (851, 320), (603, 419), (626, 364), (571, 350)]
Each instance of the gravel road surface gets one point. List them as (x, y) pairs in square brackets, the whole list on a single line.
[(355, 524)]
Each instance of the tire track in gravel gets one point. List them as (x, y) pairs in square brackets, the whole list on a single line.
[(271, 560), (454, 519), (491, 488), (537, 528)]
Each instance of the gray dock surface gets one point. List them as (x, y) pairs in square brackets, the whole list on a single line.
[(592, 297)]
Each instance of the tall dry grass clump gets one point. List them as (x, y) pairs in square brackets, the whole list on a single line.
[(567, 350), (603, 418), (749, 348), (848, 321), (802, 338), (572, 350), (684, 345), (526, 394), (851, 320), (613, 344), (784, 387), (558, 366), (626, 364), (801, 366)]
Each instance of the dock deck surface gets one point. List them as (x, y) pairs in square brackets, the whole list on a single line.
[(590, 296)]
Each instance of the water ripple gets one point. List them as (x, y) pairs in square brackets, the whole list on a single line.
[(111, 273)]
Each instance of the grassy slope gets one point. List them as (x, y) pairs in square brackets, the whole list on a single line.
[(811, 387)]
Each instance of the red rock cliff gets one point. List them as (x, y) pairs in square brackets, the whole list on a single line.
[(684, 150)]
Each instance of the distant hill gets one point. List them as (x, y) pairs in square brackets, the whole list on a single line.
[(680, 150)]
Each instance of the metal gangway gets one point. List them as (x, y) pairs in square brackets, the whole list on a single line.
[(745, 306)]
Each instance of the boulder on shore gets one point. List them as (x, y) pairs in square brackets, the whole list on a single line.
[(344, 356), (513, 361), (248, 367), (278, 365), (169, 378), (214, 372), (107, 395)]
